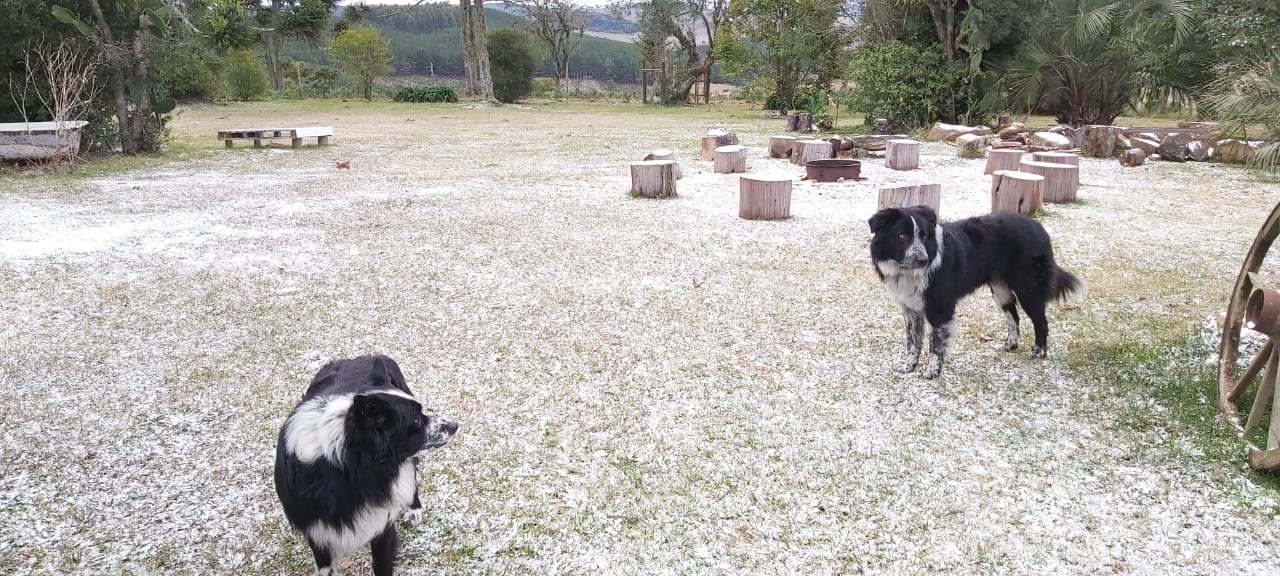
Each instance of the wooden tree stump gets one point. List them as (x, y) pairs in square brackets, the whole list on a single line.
[(1060, 180), (1016, 192), (903, 196), (731, 159), (781, 146), (762, 197), (902, 154), (653, 179), (715, 139), (1056, 157), (971, 146), (1003, 159), (807, 150), (665, 154), (800, 122), (1099, 141), (1133, 157)]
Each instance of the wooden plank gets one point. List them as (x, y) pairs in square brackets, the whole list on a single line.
[(310, 131)]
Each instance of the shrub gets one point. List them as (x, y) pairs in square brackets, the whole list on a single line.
[(243, 75), (890, 85), (436, 93), (363, 53), (512, 62), (544, 87)]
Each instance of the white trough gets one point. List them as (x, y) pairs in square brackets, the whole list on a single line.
[(39, 140)]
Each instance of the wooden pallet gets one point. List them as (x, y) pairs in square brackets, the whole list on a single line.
[(320, 133)]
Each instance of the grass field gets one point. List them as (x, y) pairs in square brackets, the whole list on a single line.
[(644, 386)]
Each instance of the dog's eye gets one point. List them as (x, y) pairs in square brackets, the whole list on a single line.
[(902, 236)]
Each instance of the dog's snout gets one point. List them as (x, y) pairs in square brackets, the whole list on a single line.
[(447, 427)]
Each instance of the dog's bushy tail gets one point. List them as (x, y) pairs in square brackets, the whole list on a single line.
[(1066, 286)]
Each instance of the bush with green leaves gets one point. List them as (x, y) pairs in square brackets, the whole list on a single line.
[(243, 76), (910, 86), (513, 61), (436, 93), (364, 54)]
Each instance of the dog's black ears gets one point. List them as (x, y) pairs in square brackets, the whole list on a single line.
[(927, 213), (370, 410), (379, 372), (884, 218)]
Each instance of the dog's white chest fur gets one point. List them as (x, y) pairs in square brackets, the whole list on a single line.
[(369, 521), (906, 287)]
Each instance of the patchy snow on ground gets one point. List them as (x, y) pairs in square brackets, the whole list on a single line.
[(644, 386)]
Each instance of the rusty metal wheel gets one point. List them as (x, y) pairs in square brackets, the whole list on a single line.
[(1257, 306)]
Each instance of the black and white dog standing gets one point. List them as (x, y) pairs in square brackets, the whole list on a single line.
[(928, 268), (346, 460)]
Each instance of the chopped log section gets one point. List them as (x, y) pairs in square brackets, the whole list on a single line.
[(665, 154), (1060, 180), (781, 146), (971, 146), (763, 197), (1003, 159), (1016, 192), (1133, 157), (715, 139), (902, 154), (1056, 158), (653, 179), (807, 150), (800, 122), (1099, 141), (731, 159), (903, 196)]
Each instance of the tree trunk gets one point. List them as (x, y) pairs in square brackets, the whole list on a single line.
[(1016, 192), (480, 36), (902, 154), (1133, 157), (665, 154), (1099, 141), (764, 197), (468, 48), (1006, 159), (730, 159), (806, 150), (140, 116), (1060, 180), (904, 196), (653, 179), (1056, 158)]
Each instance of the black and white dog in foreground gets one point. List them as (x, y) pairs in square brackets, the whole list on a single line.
[(928, 268), (346, 460)]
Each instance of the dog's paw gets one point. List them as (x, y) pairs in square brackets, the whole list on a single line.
[(931, 373), (1039, 352), (413, 516), (908, 366), (1010, 346)]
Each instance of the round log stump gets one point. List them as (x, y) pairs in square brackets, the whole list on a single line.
[(1060, 180), (781, 146), (1133, 157), (1099, 141), (904, 196), (1016, 192), (800, 122), (731, 159), (653, 179), (715, 139), (971, 146), (1003, 159), (902, 154), (1056, 158), (762, 197), (806, 150), (665, 154)]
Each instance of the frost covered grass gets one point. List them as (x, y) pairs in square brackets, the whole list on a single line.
[(644, 387)]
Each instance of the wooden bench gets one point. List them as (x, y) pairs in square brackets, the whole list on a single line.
[(320, 133)]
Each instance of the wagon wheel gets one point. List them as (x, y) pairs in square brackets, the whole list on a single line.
[(1258, 306)]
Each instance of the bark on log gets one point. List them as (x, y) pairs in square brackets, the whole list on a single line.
[(781, 146), (664, 154), (731, 159), (1003, 159), (715, 139), (1016, 192), (762, 197), (800, 122), (902, 154), (807, 150), (1050, 140), (1057, 158), (1133, 157), (903, 196), (971, 146), (1232, 151), (1060, 180), (1099, 141), (653, 179)]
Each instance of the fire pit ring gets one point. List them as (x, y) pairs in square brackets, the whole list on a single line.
[(832, 169)]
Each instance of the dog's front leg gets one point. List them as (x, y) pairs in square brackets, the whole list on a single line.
[(939, 337), (915, 338)]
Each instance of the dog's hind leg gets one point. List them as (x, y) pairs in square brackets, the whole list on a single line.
[(383, 548), (915, 338), (324, 560), (1009, 304)]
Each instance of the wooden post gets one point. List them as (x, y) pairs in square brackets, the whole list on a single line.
[(715, 139), (228, 143), (764, 197), (902, 154), (1133, 157), (665, 154), (781, 146), (1060, 180), (730, 159), (903, 196), (1003, 159), (971, 146), (806, 150), (1099, 141), (297, 142), (1056, 157), (1016, 192), (653, 179)]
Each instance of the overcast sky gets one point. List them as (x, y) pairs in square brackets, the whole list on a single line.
[(454, 2)]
